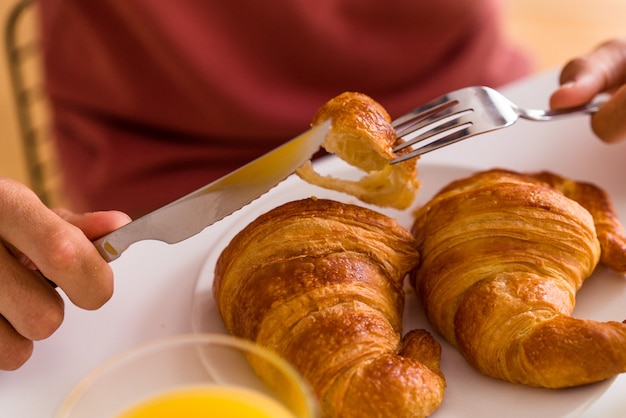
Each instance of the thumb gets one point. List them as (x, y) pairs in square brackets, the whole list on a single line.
[(602, 70), (95, 224)]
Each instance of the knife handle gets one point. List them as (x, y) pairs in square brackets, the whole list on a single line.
[(112, 245), (106, 250)]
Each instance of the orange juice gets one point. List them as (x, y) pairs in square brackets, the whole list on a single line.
[(209, 401)]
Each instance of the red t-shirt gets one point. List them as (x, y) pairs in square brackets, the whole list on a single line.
[(152, 99)]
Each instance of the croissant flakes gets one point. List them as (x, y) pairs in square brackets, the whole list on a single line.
[(502, 256), (320, 282), (362, 136)]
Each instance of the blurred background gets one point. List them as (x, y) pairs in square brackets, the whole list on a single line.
[(553, 30)]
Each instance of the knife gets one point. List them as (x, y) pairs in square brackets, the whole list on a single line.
[(191, 214)]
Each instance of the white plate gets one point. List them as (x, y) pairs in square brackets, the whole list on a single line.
[(468, 393)]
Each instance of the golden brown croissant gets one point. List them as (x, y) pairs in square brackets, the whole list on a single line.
[(320, 282), (362, 136), (502, 256)]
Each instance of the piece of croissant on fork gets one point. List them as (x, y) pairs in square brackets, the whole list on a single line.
[(321, 283), (502, 256)]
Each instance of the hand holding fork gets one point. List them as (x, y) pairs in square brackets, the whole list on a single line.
[(464, 113)]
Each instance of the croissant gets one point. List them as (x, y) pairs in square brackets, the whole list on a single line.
[(362, 136), (320, 282), (502, 257)]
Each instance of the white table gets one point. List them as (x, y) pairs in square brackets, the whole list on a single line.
[(155, 282)]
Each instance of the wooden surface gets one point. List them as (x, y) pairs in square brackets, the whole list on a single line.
[(554, 30)]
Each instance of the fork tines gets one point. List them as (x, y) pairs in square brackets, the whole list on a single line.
[(405, 124), (441, 121)]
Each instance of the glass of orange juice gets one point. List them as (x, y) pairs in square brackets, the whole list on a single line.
[(193, 376)]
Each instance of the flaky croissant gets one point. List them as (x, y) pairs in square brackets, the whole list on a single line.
[(362, 136), (320, 282), (502, 256)]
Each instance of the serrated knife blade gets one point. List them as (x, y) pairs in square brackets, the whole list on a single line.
[(194, 212)]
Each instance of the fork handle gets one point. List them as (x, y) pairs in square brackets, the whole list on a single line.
[(542, 115)]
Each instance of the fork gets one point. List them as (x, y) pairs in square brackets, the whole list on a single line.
[(464, 113)]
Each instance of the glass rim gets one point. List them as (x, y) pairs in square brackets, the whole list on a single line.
[(164, 343)]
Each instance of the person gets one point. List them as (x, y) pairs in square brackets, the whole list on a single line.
[(143, 113), (152, 100)]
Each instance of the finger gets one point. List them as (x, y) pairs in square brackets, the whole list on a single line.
[(577, 93), (602, 70), (32, 307), (95, 224), (14, 348), (59, 249), (609, 123)]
